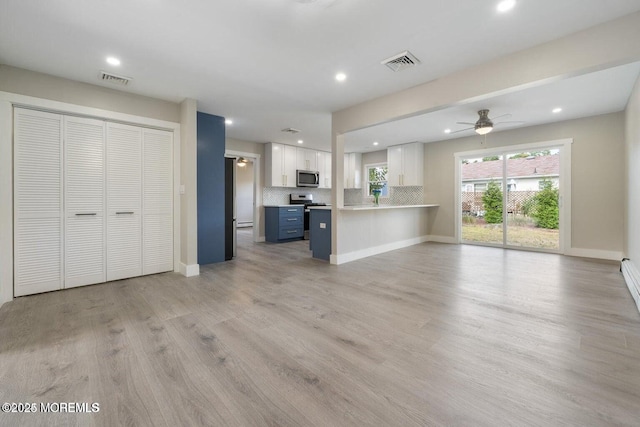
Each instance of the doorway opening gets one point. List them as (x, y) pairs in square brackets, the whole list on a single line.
[(246, 199), (515, 197)]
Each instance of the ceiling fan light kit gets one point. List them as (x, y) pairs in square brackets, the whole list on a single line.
[(484, 130), (484, 125)]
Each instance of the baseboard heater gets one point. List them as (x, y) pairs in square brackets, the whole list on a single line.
[(632, 277)]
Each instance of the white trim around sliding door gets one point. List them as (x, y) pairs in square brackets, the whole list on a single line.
[(565, 183)]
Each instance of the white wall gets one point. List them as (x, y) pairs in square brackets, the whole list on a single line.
[(373, 157), (189, 178), (244, 194), (39, 85), (597, 178), (632, 187)]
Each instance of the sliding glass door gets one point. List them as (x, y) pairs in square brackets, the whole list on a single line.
[(481, 196), (512, 198)]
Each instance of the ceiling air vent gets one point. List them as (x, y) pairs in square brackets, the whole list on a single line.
[(401, 61), (291, 130), (114, 78)]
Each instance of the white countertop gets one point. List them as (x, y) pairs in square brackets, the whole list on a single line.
[(370, 207), (326, 208), (283, 206)]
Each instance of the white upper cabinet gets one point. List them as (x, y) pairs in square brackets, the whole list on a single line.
[(38, 201), (307, 159), (324, 167), (352, 170), (406, 165), (280, 165)]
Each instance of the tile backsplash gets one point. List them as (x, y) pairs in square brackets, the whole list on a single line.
[(409, 195), (280, 196), (413, 195), (397, 196)]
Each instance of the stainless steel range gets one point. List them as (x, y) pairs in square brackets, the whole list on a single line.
[(305, 199)]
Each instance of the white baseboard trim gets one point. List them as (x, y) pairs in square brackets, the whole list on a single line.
[(376, 250), (632, 277), (262, 239), (595, 253), (189, 270), (442, 239)]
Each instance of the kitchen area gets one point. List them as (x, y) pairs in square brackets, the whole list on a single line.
[(297, 194)]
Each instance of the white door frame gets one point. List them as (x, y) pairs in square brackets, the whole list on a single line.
[(564, 187)]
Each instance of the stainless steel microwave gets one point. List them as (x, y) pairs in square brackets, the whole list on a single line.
[(307, 178)]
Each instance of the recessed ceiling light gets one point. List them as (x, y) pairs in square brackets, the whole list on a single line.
[(556, 110), (447, 131), (112, 60), (228, 122), (341, 77), (506, 5), (300, 141), (375, 143)]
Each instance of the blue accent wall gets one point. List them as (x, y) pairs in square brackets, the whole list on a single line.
[(211, 188)]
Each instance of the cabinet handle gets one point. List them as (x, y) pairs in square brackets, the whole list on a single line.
[(86, 214), (292, 210), (292, 219), (292, 231), (124, 213)]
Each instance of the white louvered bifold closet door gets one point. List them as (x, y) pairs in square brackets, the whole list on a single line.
[(124, 203), (157, 223), (37, 202), (84, 201)]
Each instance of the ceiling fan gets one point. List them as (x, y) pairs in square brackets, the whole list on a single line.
[(484, 125)]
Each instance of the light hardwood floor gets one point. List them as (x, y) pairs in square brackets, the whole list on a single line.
[(424, 336)]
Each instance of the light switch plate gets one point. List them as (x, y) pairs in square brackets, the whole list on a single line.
[(323, 225)]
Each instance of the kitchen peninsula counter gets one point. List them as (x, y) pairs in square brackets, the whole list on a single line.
[(371, 207)]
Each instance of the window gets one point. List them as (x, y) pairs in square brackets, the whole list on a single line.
[(480, 187), (377, 178)]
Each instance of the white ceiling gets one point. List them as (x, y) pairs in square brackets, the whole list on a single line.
[(588, 95), (270, 65)]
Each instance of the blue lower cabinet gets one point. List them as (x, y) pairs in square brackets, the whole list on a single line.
[(284, 223), (320, 233)]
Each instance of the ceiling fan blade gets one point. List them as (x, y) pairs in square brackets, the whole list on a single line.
[(503, 115), (466, 123), (461, 130), (510, 123)]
